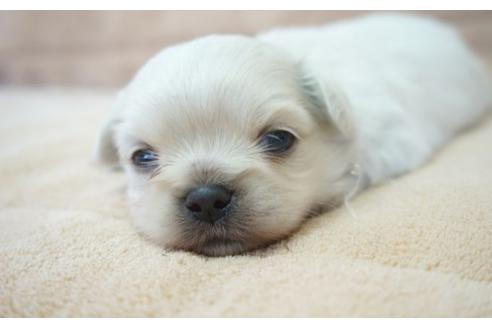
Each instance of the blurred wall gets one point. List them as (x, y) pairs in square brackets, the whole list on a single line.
[(104, 48)]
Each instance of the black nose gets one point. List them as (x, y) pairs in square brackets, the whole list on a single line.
[(208, 203)]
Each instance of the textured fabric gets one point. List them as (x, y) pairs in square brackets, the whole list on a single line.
[(420, 245)]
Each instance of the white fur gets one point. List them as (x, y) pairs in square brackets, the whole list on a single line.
[(377, 95), (411, 83)]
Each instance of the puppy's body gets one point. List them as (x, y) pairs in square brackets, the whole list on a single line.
[(411, 84), (362, 100)]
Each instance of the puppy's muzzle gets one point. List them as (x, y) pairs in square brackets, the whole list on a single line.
[(208, 203)]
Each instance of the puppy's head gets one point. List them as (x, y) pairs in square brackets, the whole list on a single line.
[(228, 145)]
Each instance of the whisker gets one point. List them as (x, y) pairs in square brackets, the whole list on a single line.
[(355, 172)]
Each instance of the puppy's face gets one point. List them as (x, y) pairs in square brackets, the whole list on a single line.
[(227, 145)]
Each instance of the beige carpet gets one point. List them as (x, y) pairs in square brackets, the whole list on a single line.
[(419, 246)]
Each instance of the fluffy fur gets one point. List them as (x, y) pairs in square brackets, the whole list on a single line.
[(368, 99)]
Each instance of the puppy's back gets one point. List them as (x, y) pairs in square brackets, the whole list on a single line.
[(412, 83)]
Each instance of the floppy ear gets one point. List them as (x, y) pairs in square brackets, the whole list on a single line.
[(327, 103), (105, 151)]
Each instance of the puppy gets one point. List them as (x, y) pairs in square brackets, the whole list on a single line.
[(230, 141)]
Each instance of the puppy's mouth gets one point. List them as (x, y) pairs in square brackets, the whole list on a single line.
[(218, 247), (217, 242), (219, 239), (223, 246)]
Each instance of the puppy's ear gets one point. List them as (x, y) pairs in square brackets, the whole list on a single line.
[(327, 103), (105, 151)]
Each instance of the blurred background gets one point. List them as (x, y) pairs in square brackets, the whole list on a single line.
[(105, 48)]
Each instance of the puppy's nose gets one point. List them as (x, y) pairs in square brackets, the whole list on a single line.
[(208, 203)]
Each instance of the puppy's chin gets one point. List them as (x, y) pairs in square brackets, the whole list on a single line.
[(218, 239), (231, 244), (223, 246), (218, 247)]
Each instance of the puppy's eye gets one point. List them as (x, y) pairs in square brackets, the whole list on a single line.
[(277, 142), (145, 158)]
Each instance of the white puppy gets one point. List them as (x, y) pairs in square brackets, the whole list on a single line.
[(229, 142)]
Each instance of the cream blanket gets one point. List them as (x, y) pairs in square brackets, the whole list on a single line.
[(420, 245)]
